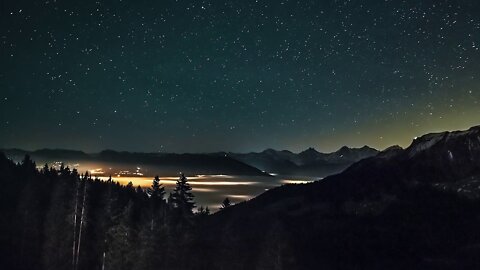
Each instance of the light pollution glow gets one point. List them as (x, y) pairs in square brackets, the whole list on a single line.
[(210, 190)]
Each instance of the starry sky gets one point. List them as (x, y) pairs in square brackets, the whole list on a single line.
[(203, 76)]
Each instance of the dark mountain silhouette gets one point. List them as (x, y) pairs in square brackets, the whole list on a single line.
[(166, 163), (309, 162), (47, 154), (187, 163), (435, 159), (269, 160), (413, 208)]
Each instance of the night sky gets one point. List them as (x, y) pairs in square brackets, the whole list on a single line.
[(203, 76)]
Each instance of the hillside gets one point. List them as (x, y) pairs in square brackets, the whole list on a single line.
[(412, 208)]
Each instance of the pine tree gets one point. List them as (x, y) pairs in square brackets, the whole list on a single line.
[(203, 211), (182, 196), (56, 246), (156, 195), (151, 247), (30, 210), (75, 217), (82, 221), (226, 203), (156, 191), (109, 204), (28, 165), (153, 229), (46, 170), (120, 241)]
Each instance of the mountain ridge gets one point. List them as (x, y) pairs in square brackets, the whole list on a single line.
[(309, 162), (167, 163), (379, 172), (390, 211)]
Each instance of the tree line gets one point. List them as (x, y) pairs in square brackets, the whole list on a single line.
[(60, 219)]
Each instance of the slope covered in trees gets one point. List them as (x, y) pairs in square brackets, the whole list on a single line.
[(413, 208), (60, 219)]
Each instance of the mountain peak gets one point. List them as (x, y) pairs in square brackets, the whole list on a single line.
[(344, 149), (269, 151), (390, 152), (310, 150), (366, 147), (425, 142)]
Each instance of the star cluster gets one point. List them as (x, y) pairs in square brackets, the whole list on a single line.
[(195, 76)]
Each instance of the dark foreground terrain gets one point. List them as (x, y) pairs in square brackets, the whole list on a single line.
[(413, 208)]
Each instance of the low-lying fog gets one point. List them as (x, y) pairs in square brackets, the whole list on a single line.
[(211, 190)]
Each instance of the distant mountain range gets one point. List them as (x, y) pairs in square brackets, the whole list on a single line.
[(448, 160), (307, 163), (151, 163), (413, 208)]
